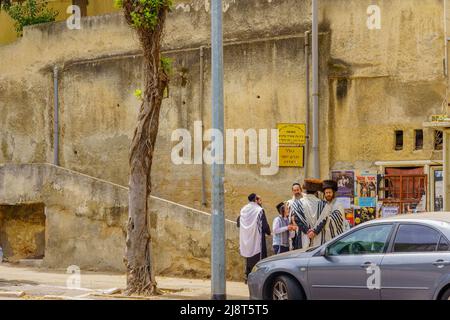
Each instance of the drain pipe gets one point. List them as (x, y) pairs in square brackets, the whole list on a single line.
[(202, 100), (307, 33), (55, 117), (315, 88), (446, 40)]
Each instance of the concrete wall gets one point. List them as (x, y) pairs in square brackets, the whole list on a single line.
[(392, 79), (86, 219), (372, 83), (22, 231)]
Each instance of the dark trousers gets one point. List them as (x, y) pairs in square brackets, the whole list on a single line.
[(280, 249), (251, 262)]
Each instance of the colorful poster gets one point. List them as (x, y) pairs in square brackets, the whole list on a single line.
[(367, 202), (364, 214), (366, 190), (349, 216), (346, 183), (366, 186)]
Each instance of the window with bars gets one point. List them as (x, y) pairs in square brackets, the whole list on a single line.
[(438, 140), (418, 139), (407, 192)]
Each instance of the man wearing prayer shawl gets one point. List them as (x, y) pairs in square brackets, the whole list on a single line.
[(311, 215), (295, 242), (336, 222), (253, 227)]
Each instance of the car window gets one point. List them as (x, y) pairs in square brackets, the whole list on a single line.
[(369, 240), (416, 238), (444, 245)]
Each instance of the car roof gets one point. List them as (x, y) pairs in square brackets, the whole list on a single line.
[(428, 216)]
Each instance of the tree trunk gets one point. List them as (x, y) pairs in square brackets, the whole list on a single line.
[(140, 275), (83, 4)]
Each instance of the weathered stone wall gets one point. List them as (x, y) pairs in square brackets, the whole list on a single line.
[(85, 223), (389, 79), (372, 83), (22, 231)]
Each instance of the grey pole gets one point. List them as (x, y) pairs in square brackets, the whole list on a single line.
[(308, 104), (202, 104), (55, 117), (218, 285), (315, 88)]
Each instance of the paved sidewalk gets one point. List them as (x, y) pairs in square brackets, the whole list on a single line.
[(51, 284)]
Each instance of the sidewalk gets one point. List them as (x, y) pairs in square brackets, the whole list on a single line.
[(51, 284)]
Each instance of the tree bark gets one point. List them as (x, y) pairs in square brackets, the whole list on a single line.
[(83, 4), (138, 257)]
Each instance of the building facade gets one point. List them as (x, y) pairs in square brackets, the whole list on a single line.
[(382, 75)]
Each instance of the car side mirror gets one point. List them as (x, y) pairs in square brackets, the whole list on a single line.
[(323, 251)]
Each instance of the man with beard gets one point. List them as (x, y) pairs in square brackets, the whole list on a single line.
[(336, 221), (295, 241), (310, 215)]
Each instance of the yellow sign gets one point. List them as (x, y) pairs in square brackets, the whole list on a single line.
[(291, 133), (439, 118), (290, 157)]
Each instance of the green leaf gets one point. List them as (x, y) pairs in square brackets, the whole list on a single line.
[(138, 94)]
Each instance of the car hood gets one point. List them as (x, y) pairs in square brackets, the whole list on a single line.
[(301, 253)]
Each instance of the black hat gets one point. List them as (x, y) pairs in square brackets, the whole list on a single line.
[(330, 184), (279, 207)]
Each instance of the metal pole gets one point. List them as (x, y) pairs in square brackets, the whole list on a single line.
[(55, 117), (446, 40), (446, 198), (308, 97), (218, 285), (202, 104), (315, 88)]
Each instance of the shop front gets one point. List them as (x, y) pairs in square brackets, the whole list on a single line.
[(398, 187)]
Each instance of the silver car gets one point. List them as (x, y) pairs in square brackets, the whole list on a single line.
[(403, 257)]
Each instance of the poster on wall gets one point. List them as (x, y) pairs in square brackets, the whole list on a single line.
[(349, 216), (366, 190), (346, 183), (364, 214), (346, 203), (389, 211), (366, 186), (438, 191)]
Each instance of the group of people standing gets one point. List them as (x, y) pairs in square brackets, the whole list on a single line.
[(311, 218)]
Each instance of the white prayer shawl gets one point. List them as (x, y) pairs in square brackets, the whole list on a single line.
[(250, 230), (290, 202), (313, 213), (291, 214), (336, 221)]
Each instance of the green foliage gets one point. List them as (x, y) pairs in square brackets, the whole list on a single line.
[(144, 13), (138, 94), (29, 12), (166, 65), (118, 4), (4, 4)]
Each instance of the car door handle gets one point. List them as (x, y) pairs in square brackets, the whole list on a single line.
[(441, 263), (365, 265)]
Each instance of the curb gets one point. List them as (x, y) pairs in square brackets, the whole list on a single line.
[(12, 294)]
